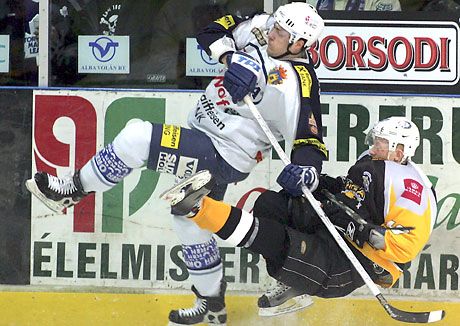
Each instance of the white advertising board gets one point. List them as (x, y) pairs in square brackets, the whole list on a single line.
[(124, 238)]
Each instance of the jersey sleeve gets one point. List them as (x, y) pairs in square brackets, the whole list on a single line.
[(308, 147), (229, 33)]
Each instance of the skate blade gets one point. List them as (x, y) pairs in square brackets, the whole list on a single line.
[(174, 194), (292, 305), (51, 204)]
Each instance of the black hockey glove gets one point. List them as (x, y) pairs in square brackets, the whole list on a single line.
[(242, 75), (358, 232), (333, 185)]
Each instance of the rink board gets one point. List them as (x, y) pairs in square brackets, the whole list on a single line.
[(152, 309), (124, 238)]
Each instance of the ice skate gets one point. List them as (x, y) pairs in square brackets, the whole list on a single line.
[(207, 310), (282, 299), (56, 193), (185, 196)]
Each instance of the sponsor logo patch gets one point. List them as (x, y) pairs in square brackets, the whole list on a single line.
[(186, 167), (170, 137), (350, 232), (305, 80), (226, 21), (166, 162), (259, 35), (413, 190)]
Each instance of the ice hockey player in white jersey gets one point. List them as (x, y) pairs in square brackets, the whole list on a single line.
[(267, 58)]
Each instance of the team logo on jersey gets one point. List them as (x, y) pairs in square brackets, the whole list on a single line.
[(355, 192), (413, 190), (367, 179), (312, 124), (277, 75), (170, 136), (226, 21)]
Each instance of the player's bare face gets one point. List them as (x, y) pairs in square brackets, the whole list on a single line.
[(379, 150), (278, 41)]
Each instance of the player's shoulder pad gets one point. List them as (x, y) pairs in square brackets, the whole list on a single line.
[(228, 22)]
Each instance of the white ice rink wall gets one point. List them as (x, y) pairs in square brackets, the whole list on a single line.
[(124, 239)]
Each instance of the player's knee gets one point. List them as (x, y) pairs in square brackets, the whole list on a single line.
[(272, 205), (132, 144)]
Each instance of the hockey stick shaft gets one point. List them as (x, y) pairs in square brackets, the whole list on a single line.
[(394, 313), (355, 216)]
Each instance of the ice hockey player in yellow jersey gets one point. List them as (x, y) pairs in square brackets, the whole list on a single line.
[(394, 199)]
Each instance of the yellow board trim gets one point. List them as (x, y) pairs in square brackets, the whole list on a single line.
[(77, 309)]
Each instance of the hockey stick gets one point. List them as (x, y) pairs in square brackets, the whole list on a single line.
[(404, 316), (355, 216)]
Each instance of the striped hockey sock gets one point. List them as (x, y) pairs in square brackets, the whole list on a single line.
[(231, 224)]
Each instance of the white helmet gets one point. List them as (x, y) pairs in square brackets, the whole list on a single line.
[(301, 20), (397, 130)]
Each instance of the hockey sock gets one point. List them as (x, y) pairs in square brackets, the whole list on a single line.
[(231, 224), (212, 214), (129, 149), (103, 171), (204, 266)]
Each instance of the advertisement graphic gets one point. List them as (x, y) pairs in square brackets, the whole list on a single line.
[(199, 63), (385, 52), (103, 54), (124, 237), (4, 53)]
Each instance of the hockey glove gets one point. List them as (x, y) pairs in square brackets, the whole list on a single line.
[(242, 75), (333, 185), (294, 176), (358, 232)]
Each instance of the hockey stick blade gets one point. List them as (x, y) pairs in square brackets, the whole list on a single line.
[(411, 317)]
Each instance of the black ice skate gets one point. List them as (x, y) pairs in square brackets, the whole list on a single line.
[(185, 196), (207, 310), (56, 193), (282, 299)]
